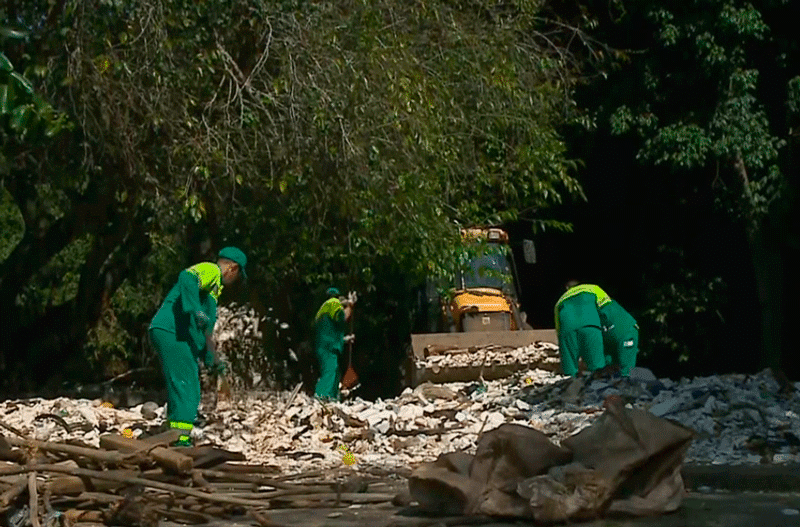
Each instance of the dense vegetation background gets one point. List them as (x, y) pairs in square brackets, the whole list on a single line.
[(644, 146)]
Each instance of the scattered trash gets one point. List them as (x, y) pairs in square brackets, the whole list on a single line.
[(734, 424)]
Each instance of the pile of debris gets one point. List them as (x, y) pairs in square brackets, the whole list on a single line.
[(138, 482), (539, 353), (740, 419), (238, 333)]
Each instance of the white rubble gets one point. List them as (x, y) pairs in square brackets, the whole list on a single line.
[(739, 419)]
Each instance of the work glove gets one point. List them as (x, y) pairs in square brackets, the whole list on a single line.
[(349, 338), (219, 367), (352, 297)]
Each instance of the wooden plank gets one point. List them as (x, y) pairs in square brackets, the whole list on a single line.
[(162, 439), (167, 458)]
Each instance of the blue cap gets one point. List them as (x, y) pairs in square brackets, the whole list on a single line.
[(235, 255), (332, 291)]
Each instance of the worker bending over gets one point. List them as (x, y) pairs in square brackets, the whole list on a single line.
[(181, 333), (592, 326)]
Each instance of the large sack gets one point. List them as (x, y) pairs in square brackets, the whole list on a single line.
[(505, 456), (444, 486), (627, 462), (566, 492), (636, 452)]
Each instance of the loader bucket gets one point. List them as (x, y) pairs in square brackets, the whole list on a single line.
[(425, 345)]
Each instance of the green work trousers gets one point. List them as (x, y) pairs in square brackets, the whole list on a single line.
[(620, 336), (622, 345), (182, 377), (328, 384), (586, 343)]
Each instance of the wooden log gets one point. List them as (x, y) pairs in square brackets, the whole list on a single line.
[(162, 439), (166, 458), (183, 515), (76, 515), (245, 478), (100, 497), (232, 485), (348, 497), (426, 431), (248, 469), (12, 429), (89, 453), (218, 498), (11, 494), (74, 485), (33, 499), (207, 457)]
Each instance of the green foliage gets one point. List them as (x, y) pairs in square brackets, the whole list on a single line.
[(683, 309), (326, 139), (697, 87), (56, 282), (699, 107), (399, 123)]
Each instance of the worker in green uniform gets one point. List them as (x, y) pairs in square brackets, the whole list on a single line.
[(181, 333), (330, 326), (620, 335), (580, 334), (594, 327)]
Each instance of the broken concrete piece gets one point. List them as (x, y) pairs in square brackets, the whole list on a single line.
[(666, 407)]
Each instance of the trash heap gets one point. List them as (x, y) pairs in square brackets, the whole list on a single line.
[(739, 419)]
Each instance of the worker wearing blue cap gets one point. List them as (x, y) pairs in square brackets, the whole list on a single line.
[(181, 334), (330, 326)]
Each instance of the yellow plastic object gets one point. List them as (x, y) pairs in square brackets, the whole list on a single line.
[(106, 404), (127, 433)]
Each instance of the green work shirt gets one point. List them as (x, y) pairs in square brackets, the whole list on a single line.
[(330, 325), (197, 291), (578, 306)]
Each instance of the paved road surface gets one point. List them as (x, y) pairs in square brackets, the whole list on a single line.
[(715, 509)]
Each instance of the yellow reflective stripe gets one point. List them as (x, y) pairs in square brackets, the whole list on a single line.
[(209, 276), (183, 438), (601, 297), (181, 426), (331, 307)]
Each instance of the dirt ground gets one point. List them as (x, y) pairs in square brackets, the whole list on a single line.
[(712, 509)]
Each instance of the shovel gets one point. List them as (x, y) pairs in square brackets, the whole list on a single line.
[(350, 378)]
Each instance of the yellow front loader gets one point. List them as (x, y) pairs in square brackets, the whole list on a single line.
[(476, 325)]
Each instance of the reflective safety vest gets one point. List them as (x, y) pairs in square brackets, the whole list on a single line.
[(601, 298), (210, 278)]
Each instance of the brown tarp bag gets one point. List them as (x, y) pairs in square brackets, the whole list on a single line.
[(627, 462)]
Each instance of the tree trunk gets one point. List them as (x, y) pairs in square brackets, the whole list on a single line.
[(768, 270)]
